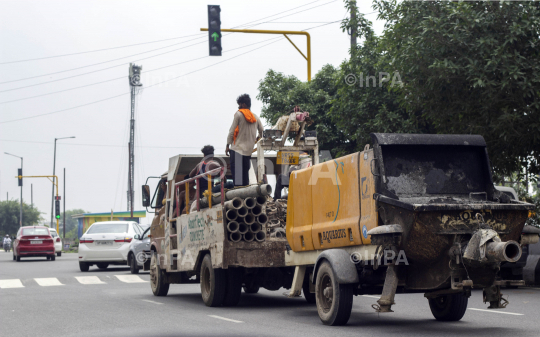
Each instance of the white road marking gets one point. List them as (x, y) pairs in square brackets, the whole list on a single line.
[(14, 283), (371, 296), (130, 278), (48, 282), (225, 319), (89, 280), (152, 302), (497, 312)]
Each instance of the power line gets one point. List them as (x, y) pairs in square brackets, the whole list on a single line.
[(99, 145)]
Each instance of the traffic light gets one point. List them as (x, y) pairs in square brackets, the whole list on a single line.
[(57, 206), (214, 30), (19, 175)]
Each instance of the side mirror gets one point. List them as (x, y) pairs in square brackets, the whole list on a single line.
[(137, 237), (145, 195)]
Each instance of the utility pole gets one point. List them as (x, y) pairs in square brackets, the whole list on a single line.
[(134, 83), (32, 195), (354, 27), (20, 184), (64, 221)]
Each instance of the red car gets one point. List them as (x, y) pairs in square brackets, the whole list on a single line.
[(33, 241)]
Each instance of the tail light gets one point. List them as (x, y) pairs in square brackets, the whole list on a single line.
[(123, 240), (57, 239), (85, 241)]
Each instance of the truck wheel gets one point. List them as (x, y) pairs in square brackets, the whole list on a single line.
[(334, 300), (157, 277), (213, 283), (448, 307), (83, 266), (309, 296), (234, 287), (102, 266), (133, 267), (251, 288)]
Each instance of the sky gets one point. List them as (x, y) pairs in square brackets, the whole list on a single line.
[(194, 105)]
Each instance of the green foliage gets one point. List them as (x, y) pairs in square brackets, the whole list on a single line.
[(10, 213), (71, 223)]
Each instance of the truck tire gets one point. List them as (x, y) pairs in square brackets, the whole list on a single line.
[(83, 266), (234, 287), (157, 278), (213, 283), (448, 308), (251, 288), (334, 300), (133, 267), (309, 296)]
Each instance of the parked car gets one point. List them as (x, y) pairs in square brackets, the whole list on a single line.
[(33, 241), (139, 251), (106, 243), (57, 241)]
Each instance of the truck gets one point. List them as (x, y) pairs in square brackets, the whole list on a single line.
[(409, 214)]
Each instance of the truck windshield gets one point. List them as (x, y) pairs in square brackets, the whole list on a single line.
[(105, 228)]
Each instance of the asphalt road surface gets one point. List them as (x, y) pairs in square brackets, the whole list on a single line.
[(49, 298)]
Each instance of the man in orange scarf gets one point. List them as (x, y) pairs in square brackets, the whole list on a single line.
[(242, 138)]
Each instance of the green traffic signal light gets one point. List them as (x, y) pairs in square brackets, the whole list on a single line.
[(58, 216)]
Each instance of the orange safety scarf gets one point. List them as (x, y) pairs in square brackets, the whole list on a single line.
[(248, 115)]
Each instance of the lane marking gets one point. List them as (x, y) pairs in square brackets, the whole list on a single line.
[(130, 279), (48, 282), (497, 312), (14, 283), (152, 302), (377, 297), (225, 319), (89, 280)]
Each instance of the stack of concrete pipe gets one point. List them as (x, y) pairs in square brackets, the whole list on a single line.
[(246, 219)]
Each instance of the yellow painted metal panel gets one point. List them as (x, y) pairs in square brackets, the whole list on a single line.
[(370, 215), (336, 204), (300, 211)]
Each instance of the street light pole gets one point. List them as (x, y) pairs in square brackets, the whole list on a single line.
[(54, 172), (20, 215)]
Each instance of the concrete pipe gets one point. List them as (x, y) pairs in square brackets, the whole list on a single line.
[(243, 228), (257, 210), (250, 202), (260, 200), (249, 219), (509, 251), (262, 219), (278, 233), (232, 226), (255, 227), (235, 203), (249, 237), (252, 191), (242, 211), (232, 215), (235, 237), (260, 236)]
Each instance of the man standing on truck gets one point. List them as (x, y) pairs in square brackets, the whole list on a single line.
[(242, 138)]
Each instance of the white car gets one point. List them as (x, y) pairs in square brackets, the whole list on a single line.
[(106, 243), (57, 241)]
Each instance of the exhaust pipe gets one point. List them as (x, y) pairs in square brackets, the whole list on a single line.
[(249, 219), (235, 203), (233, 226), (242, 211), (260, 200), (255, 228), (262, 219), (243, 228), (249, 236), (232, 215), (260, 236), (257, 210), (250, 202), (235, 237), (509, 251)]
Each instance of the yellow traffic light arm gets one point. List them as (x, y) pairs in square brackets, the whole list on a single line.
[(285, 33), (55, 182)]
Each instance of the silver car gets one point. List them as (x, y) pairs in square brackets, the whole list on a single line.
[(139, 251)]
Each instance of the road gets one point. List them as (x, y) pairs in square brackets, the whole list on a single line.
[(45, 298)]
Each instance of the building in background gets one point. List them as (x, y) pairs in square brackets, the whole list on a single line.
[(87, 219)]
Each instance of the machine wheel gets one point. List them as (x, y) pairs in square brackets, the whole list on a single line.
[(309, 296), (213, 283), (133, 267), (234, 287), (157, 278), (334, 300), (53, 258), (448, 308), (83, 266), (59, 254), (102, 266)]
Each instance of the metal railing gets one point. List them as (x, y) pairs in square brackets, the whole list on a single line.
[(186, 182)]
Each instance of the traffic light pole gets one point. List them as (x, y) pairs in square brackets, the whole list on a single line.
[(55, 183), (280, 32)]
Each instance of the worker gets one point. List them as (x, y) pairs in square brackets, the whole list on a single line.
[(242, 138), (207, 164)]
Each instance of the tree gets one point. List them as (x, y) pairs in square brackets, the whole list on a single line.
[(10, 213), (471, 67)]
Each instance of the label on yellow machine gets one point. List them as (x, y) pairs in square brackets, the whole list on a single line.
[(287, 158)]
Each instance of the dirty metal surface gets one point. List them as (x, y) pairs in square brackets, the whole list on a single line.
[(269, 253)]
